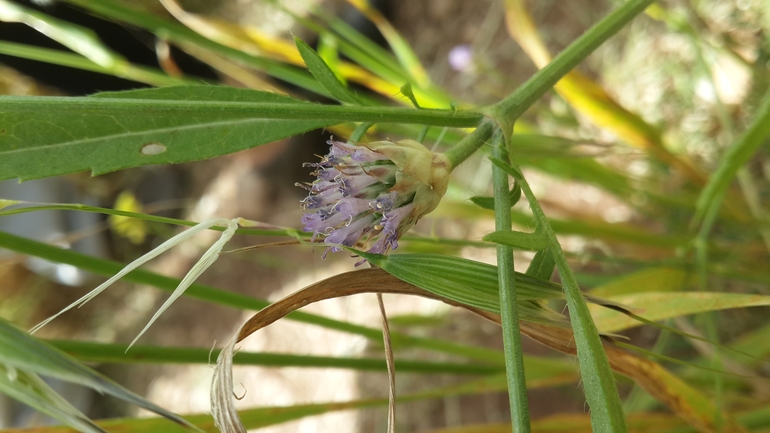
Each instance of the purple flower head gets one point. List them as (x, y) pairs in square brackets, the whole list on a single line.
[(461, 58), (373, 194)]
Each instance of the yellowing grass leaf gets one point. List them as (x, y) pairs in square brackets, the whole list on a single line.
[(646, 280), (685, 401), (656, 306)]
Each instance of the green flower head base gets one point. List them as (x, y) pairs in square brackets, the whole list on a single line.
[(372, 194)]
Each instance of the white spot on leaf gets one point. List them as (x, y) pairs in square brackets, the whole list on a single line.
[(153, 149)]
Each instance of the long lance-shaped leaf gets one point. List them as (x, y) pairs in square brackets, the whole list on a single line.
[(46, 136), (324, 75), (601, 391), (230, 299), (139, 73), (541, 372), (473, 283), (683, 400), (649, 305), (118, 354), (77, 38), (20, 351)]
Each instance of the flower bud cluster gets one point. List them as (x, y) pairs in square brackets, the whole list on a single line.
[(372, 194)]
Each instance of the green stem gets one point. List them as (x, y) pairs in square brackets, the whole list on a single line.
[(300, 110), (514, 362), (523, 97), (470, 144), (600, 389)]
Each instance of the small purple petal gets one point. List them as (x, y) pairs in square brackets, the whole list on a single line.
[(322, 185), (392, 220), (323, 221), (320, 200), (340, 149), (384, 202), (350, 234), (352, 185), (362, 154), (352, 206), (328, 174)]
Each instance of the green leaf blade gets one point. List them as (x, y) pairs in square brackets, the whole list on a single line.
[(520, 240), (324, 74), (57, 142)]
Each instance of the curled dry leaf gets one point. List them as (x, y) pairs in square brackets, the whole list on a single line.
[(222, 396), (679, 397), (349, 283)]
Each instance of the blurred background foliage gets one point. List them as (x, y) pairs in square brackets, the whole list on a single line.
[(618, 154)]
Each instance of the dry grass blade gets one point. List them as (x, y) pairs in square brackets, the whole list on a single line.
[(349, 283), (223, 408), (391, 367)]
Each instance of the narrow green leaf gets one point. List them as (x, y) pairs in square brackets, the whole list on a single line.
[(142, 74), (324, 75), (406, 90), (542, 265), (117, 354), (20, 351), (31, 390), (523, 241), (541, 372), (46, 136), (77, 38), (489, 202)]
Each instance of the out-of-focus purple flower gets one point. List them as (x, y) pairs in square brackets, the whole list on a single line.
[(371, 195), (461, 58)]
